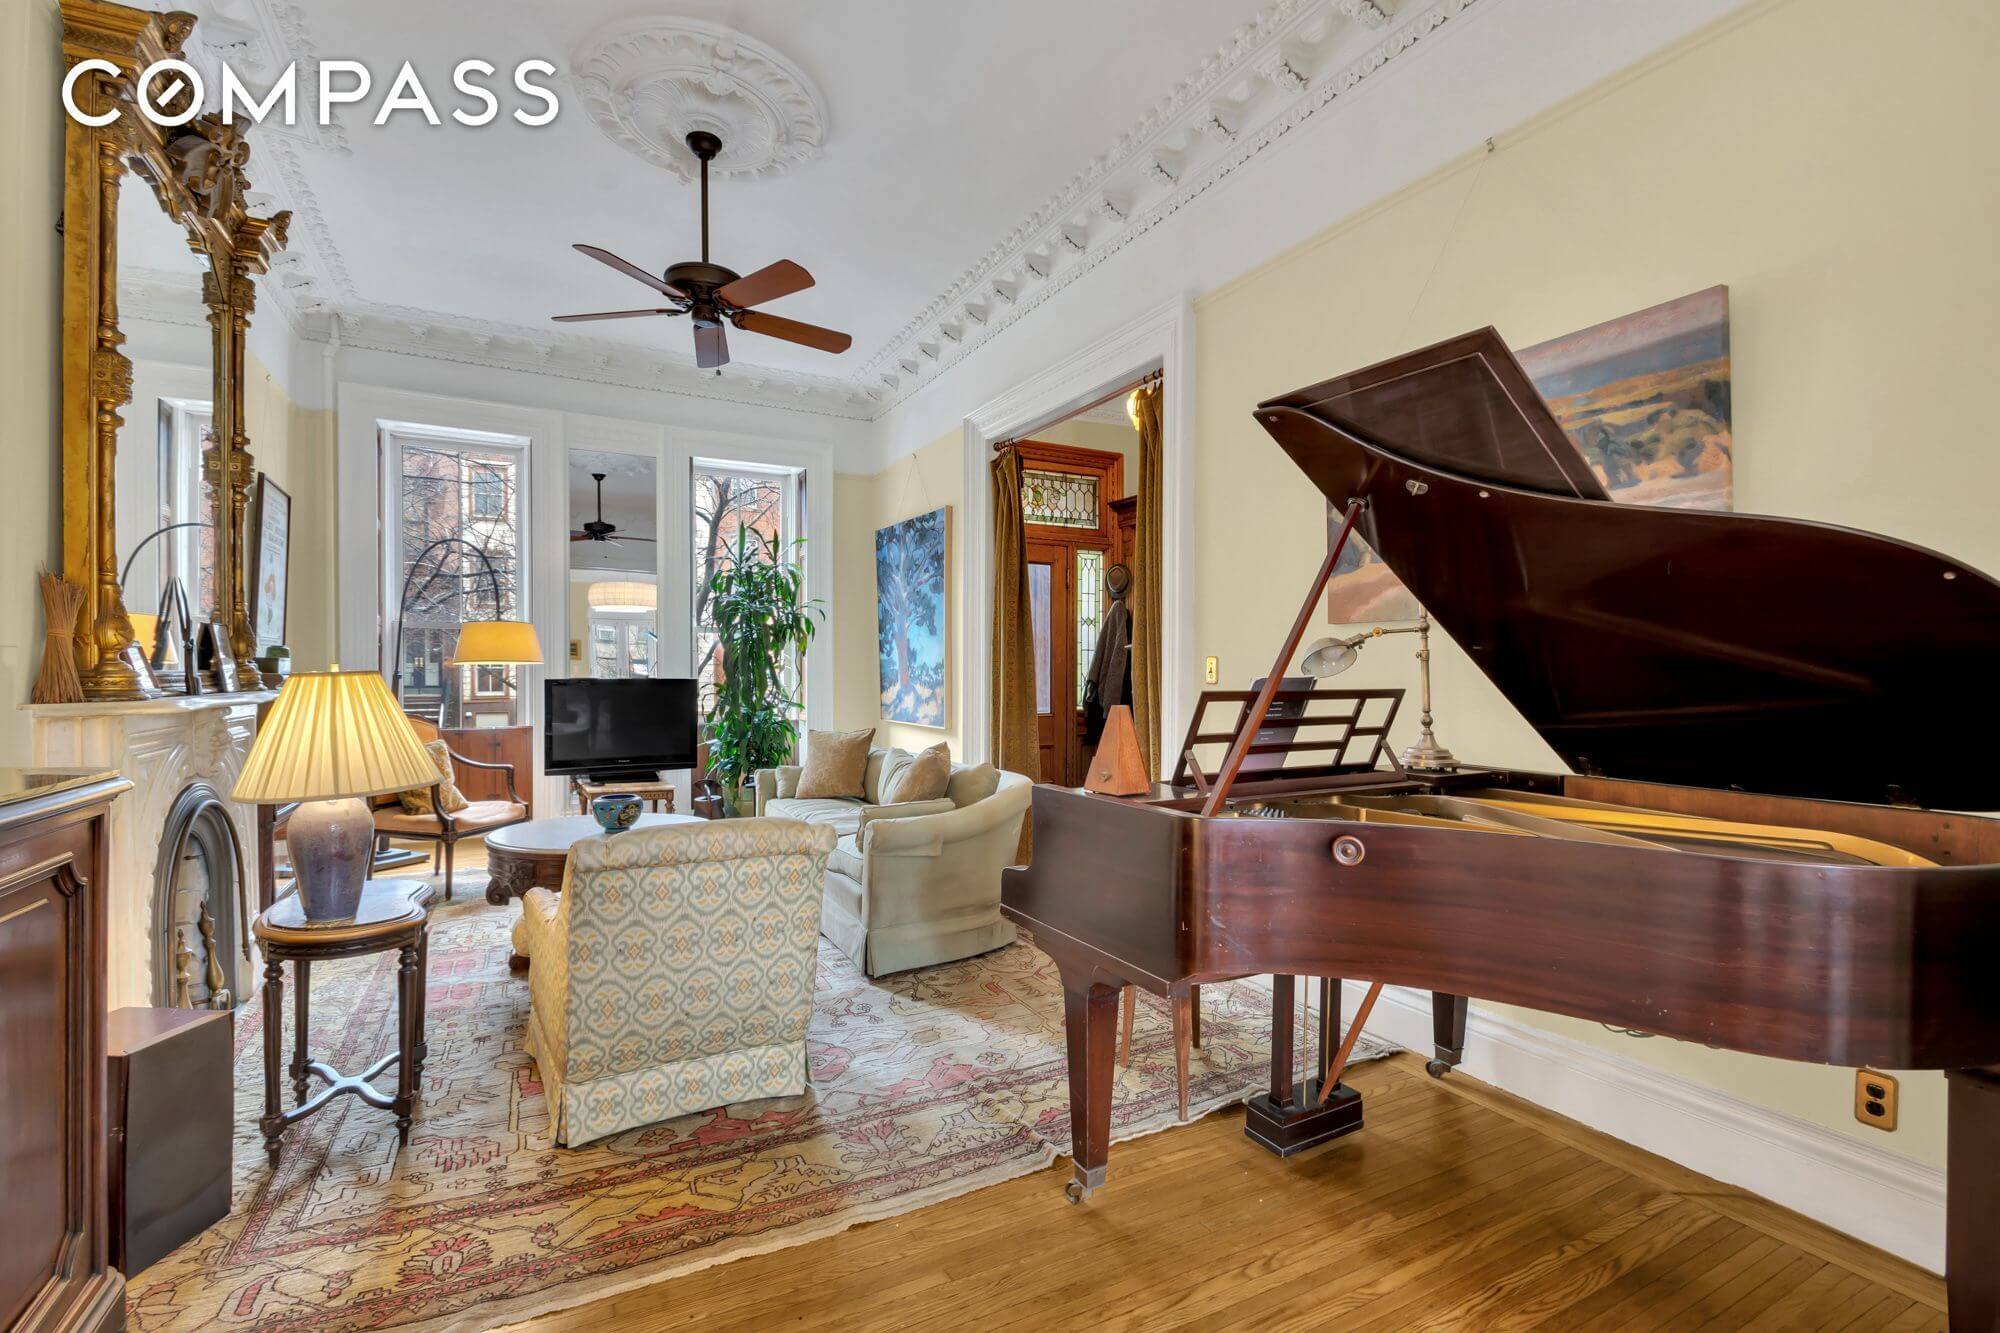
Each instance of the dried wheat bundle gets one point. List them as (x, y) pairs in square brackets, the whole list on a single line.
[(58, 683)]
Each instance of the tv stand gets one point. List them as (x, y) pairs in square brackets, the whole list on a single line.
[(646, 788)]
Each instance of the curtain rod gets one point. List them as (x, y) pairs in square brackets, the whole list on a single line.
[(1150, 379)]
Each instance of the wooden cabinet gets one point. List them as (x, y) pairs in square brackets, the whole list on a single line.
[(55, 1272)]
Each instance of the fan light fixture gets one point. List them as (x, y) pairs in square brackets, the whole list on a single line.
[(712, 296)]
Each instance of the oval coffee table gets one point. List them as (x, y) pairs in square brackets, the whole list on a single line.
[(534, 854)]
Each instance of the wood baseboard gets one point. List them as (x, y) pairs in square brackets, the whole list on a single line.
[(1882, 1199)]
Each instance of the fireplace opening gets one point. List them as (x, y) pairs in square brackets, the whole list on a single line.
[(199, 889)]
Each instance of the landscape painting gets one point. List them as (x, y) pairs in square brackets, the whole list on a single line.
[(910, 617), (1646, 397)]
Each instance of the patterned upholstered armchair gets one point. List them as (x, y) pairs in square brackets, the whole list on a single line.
[(674, 972)]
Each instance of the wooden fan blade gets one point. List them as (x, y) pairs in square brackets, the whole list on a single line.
[(632, 270), (711, 346), (792, 331), (610, 314), (766, 284), (579, 536)]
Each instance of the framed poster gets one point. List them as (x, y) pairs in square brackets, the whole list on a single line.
[(270, 563), (910, 617)]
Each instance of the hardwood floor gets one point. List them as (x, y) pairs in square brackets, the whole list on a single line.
[(1457, 1207)]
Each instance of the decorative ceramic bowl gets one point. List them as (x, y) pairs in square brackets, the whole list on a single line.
[(615, 811)]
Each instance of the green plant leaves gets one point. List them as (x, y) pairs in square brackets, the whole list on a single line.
[(764, 622)]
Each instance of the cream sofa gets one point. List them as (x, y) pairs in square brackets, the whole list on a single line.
[(913, 884), (674, 972)]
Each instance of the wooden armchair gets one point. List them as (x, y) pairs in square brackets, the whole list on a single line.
[(443, 830)]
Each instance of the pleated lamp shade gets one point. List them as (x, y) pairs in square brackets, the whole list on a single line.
[(333, 734), (497, 643)]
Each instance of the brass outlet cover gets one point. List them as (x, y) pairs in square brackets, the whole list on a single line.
[(1875, 1098), (1211, 670)]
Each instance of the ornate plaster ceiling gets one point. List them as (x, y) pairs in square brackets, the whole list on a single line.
[(888, 148)]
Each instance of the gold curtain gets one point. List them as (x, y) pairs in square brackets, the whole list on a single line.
[(1016, 741), (1144, 406)]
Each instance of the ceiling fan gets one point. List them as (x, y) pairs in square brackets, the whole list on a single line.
[(597, 530), (713, 295)]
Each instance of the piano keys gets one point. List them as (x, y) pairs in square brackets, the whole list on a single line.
[(1769, 725)]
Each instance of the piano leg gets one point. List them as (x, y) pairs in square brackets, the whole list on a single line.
[(1184, 1003), (1288, 1120), (1448, 1032), (1090, 1018), (1972, 1183)]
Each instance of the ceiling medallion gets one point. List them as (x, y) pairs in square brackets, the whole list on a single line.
[(647, 83)]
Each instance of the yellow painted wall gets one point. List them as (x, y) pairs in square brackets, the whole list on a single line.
[(294, 445), (1108, 436), (30, 321), (1833, 180), (931, 477)]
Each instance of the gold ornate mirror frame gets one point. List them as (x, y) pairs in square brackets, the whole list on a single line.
[(197, 172)]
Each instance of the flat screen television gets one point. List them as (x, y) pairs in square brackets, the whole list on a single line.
[(618, 729)]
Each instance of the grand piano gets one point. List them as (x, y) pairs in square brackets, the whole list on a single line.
[(1770, 727)]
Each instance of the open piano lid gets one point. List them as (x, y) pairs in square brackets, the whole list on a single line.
[(1686, 646)]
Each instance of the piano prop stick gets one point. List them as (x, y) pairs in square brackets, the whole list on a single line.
[(1239, 749), (1118, 769), (1753, 840)]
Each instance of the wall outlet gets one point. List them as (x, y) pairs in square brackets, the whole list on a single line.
[(1875, 1098), (1211, 670)]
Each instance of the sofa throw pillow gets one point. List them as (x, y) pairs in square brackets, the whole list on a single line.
[(417, 800), (836, 764), (924, 778)]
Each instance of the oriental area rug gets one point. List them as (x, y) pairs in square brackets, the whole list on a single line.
[(925, 1085)]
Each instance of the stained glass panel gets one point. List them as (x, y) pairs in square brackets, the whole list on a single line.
[(1060, 499), (1089, 614)]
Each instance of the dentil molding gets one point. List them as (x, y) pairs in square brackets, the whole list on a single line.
[(645, 82), (648, 82)]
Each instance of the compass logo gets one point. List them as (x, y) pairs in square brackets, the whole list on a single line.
[(172, 92)]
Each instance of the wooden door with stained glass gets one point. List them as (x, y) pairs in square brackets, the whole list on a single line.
[(1066, 496)]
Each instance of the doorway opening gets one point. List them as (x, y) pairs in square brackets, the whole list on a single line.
[(1079, 505)]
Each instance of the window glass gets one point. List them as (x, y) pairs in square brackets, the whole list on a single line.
[(1059, 499), (732, 500), (1038, 610), (458, 558), (1089, 613)]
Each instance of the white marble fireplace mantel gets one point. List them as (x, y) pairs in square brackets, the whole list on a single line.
[(163, 746)]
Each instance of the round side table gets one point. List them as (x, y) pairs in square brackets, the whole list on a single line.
[(394, 914), (534, 854)]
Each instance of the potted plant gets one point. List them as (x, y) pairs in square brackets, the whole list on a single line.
[(763, 622)]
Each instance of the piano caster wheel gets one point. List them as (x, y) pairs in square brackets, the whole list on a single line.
[(1436, 1068), (1075, 1192)]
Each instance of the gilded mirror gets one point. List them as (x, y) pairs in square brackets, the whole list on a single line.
[(153, 216)]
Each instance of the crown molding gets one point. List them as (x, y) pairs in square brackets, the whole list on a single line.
[(1297, 59), (422, 333), (1293, 62)]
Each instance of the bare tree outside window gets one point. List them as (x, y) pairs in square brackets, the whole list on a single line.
[(726, 503), (468, 499)]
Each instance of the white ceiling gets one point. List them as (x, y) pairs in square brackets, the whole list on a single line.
[(965, 163), (946, 123)]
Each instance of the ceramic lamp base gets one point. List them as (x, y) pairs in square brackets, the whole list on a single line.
[(329, 842)]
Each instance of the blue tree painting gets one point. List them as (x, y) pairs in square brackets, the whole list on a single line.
[(909, 611)]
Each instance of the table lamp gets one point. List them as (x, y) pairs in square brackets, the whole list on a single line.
[(1330, 657), (332, 738)]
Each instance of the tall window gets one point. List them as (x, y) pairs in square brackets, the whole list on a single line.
[(763, 504), (457, 524)]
